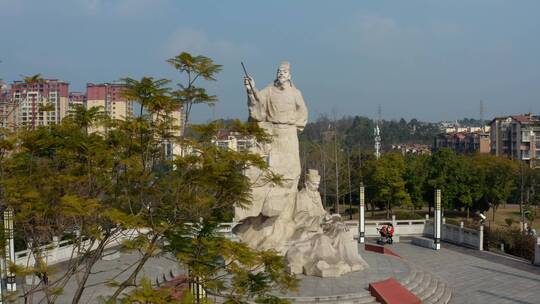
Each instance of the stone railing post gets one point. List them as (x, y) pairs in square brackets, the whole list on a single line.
[(52, 255), (461, 236), (481, 238), (394, 221), (361, 218), (437, 222), (537, 252)]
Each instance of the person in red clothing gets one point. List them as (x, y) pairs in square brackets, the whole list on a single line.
[(386, 232), (390, 230)]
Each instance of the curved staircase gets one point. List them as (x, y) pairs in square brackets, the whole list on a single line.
[(424, 285)]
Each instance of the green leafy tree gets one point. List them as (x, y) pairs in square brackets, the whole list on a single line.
[(193, 68), (90, 188), (416, 173), (388, 178)]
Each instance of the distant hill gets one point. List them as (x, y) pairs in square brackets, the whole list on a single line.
[(357, 131)]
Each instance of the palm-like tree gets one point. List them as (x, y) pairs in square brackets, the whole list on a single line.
[(37, 78), (194, 67), (149, 93), (86, 117)]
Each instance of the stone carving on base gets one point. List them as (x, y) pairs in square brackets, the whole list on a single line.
[(281, 217)]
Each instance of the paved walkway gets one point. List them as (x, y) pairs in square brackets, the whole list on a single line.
[(381, 267), (477, 277)]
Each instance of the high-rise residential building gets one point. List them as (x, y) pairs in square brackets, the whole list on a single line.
[(5, 107), (517, 137), (77, 99), (37, 104), (110, 97)]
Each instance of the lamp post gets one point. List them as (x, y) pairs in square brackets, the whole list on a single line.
[(361, 220), (7, 278), (437, 220), (10, 249)]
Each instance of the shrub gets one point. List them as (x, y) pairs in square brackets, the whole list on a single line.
[(407, 215), (515, 242)]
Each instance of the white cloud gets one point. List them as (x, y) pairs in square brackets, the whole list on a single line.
[(198, 42)]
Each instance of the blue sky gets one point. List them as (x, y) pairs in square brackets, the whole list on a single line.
[(426, 59)]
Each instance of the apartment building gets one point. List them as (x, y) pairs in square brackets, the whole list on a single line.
[(233, 141), (407, 149), (37, 104), (76, 99), (5, 107), (109, 96), (517, 137), (464, 141)]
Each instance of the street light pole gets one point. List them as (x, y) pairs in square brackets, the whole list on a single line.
[(337, 169), (350, 186)]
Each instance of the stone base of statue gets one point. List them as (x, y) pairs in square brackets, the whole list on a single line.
[(314, 242)]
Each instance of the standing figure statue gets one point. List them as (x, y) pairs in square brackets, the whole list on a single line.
[(280, 110), (281, 217)]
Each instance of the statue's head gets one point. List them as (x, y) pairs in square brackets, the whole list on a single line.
[(313, 179), (283, 74)]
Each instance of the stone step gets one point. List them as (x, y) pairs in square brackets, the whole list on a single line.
[(365, 300), (412, 278), (429, 290), (437, 294), (409, 277), (445, 297), (423, 285), (359, 298), (416, 280)]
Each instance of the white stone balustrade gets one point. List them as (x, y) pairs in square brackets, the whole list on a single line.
[(59, 251), (401, 227), (459, 235)]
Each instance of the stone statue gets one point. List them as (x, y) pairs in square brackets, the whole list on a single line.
[(280, 110), (281, 218)]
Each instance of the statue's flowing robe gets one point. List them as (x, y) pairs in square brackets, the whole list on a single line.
[(281, 112)]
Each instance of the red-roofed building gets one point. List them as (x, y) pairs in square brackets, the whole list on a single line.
[(29, 100), (517, 137), (465, 142)]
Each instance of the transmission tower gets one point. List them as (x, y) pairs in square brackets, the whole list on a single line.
[(482, 112)]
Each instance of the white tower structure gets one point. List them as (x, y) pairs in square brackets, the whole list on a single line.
[(377, 133)]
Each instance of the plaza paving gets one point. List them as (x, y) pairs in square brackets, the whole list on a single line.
[(475, 276)]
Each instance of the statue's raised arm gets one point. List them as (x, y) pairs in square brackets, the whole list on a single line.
[(257, 108)]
